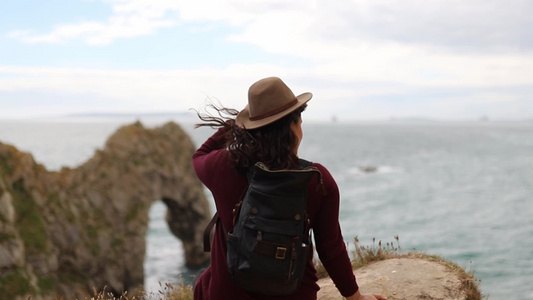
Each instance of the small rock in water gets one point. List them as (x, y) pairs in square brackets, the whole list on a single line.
[(368, 169)]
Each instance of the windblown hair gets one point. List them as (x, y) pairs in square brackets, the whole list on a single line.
[(272, 144)]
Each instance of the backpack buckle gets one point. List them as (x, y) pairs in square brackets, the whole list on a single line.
[(280, 252)]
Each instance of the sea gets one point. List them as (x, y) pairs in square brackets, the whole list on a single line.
[(460, 190)]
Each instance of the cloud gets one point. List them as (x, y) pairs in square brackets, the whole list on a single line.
[(476, 26), (450, 26), (130, 19), (140, 89), (133, 18), (182, 89), (60, 33), (365, 54)]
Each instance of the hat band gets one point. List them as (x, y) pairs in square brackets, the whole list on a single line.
[(275, 111)]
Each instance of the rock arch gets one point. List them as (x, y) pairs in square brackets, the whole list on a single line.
[(81, 228)]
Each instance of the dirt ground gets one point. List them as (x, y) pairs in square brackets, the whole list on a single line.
[(403, 279)]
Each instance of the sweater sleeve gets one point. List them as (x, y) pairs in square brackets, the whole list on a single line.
[(209, 149), (329, 240)]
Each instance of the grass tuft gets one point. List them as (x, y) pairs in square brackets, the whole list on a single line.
[(167, 291), (363, 255)]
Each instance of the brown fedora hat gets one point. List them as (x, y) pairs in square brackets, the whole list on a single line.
[(269, 100)]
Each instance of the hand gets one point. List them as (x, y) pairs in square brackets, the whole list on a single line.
[(358, 296)]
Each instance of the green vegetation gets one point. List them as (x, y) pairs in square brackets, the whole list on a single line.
[(134, 212), (5, 166), (5, 236), (117, 246), (14, 284), (69, 276), (47, 285), (91, 244), (469, 283), (58, 207), (95, 224), (136, 162), (28, 219)]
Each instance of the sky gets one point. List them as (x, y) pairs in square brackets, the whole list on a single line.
[(361, 59)]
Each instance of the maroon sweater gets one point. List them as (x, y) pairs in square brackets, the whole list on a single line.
[(215, 169)]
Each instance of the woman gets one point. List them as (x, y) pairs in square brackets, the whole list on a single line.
[(268, 130)]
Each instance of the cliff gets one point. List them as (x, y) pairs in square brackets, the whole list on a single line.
[(410, 276), (81, 228)]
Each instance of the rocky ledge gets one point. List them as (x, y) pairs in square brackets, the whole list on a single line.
[(67, 232), (410, 277)]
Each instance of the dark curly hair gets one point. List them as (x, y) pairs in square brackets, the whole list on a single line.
[(272, 144)]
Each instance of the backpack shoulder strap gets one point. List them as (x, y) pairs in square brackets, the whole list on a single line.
[(207, 232)]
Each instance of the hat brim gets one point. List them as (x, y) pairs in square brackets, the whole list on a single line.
[(243, 118)]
